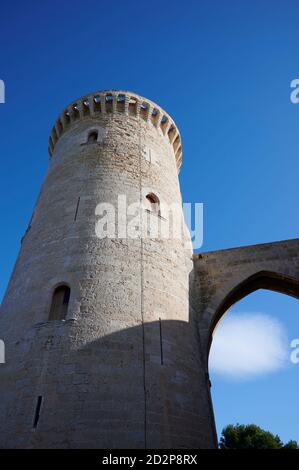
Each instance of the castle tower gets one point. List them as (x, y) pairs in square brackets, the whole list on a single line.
[(101, 348)]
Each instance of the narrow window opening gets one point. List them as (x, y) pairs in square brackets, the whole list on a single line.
[(37, 411), (92, 137), (60, 303), (153, 204)]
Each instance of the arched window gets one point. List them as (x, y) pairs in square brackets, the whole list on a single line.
[(60, 302), (92, 137), (153, 204)]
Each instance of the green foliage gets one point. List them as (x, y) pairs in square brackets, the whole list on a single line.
[(291, 445), (250, 436)]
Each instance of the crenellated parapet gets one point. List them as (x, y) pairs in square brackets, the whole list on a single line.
[(113, 102)]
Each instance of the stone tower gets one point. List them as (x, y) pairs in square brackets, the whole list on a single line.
[(102, 350)]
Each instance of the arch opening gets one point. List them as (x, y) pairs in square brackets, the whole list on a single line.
[(92, 137), (262, 280), (60, 303), (153, 204), (249, 356)]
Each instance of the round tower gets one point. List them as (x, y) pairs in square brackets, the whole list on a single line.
[(101, 348)]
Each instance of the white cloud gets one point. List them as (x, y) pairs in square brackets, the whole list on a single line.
[(248, 345)]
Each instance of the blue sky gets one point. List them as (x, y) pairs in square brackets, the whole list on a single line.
[(222, 70), (267, 392)]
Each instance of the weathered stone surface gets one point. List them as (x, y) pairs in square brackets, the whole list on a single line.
[(100, 371), (128, 367)]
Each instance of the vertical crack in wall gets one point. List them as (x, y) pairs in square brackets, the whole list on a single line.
[(161, 342), (37, 411), (77, 208)]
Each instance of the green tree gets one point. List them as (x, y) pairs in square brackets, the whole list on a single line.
[(250, 436), (291, 445)]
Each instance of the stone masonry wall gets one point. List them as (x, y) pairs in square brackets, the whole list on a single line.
[(123, 370)]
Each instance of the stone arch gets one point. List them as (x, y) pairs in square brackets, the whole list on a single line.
[(152, 203), (92, 136), (263, 279), (267, 280), (221, 278)]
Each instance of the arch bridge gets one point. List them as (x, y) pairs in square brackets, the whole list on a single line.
[(221, 278)]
